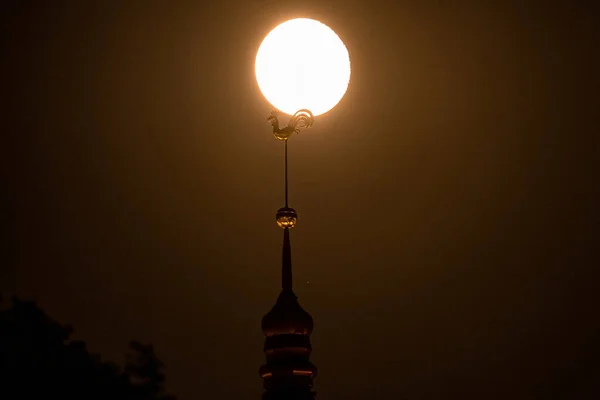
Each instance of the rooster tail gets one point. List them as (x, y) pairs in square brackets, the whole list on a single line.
[(302, 119)]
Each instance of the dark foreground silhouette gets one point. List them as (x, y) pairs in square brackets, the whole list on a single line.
[(38, 360)]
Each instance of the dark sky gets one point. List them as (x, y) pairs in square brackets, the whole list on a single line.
[(449, 220)]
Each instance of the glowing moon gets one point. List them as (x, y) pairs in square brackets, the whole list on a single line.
[(303, 63)]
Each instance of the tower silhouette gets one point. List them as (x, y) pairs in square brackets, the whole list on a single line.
[(288, 373)]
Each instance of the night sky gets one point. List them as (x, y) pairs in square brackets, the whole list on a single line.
[(448, 236)]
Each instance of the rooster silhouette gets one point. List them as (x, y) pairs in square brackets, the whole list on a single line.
[(301, 119)]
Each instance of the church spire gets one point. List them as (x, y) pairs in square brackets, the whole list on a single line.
[(288, 373), (286, 262)]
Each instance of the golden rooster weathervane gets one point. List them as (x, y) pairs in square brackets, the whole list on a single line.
[(304, 118), (301, 119)]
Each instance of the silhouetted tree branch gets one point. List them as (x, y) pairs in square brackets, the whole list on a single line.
[(37, 359)]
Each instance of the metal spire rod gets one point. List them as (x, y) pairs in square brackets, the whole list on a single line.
[(286, 172), (301, 119), (286, 216)]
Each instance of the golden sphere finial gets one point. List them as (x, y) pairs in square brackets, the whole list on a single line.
[(286, 217)]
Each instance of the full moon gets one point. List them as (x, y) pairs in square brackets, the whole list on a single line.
[(302, 63)]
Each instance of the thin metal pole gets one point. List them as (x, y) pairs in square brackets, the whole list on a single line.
[(286, 173)]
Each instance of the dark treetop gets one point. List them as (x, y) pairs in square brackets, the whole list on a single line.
[(37, 360)]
